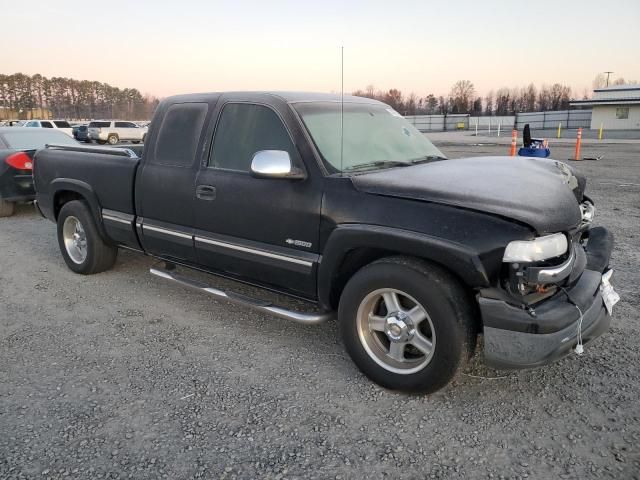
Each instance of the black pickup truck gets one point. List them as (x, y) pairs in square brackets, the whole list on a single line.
[(346, 205)]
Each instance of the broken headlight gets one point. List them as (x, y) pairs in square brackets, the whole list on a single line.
[(535, 250), (588, 211)]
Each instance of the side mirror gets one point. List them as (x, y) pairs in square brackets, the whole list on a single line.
[(274, 164)]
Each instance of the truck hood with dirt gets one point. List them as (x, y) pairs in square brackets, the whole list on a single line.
[(544, 194)]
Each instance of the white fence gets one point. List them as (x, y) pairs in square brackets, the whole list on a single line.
[(536, 120), (549, 120), (430, 123), (493, 122)]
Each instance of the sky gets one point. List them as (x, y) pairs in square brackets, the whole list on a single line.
[(181, 46)]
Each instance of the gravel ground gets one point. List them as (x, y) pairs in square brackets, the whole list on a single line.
[(121, 375)]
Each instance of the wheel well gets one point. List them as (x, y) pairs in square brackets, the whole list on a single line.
[(63, 197), (357, 258), (353, 261)]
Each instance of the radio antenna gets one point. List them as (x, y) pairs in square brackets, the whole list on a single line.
[(341, 108)]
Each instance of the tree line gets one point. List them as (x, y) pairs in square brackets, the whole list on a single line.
[(463, 99), (36, 96)]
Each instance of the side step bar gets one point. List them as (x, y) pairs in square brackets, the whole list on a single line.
[(310, 318)]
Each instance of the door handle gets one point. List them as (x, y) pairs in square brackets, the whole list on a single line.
[(206, 192)]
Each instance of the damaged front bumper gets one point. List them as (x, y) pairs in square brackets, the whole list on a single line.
[(515, 337)]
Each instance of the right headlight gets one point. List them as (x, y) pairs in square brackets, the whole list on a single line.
[(537, 249)]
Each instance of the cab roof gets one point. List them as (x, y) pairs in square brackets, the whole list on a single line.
[(287, 96)]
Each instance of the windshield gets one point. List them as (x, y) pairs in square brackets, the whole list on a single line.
[(375, 136), (31, 139)]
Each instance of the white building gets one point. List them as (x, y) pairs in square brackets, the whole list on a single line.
[(615, 108)]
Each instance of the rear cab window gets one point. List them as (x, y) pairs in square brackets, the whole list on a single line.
[(179, 134)]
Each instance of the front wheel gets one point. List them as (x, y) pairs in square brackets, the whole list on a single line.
[(407, 324), (83, 249), (112, 139)]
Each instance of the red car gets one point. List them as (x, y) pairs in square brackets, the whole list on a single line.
[(17, 146)]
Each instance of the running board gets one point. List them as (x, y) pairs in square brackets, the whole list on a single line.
[(311, 318)]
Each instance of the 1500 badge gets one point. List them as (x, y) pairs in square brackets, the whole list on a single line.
[(298, 243)]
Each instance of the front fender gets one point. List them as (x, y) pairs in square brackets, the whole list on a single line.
[(459, 259)]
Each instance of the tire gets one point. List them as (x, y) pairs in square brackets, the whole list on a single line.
[(102, 142), (96, 256), (112, 139), (444, 328), (6, 208), (135, 141)]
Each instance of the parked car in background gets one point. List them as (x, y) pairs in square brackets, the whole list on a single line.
[(81, 133), (17, 146), (12, 123), (61, 125), (114, 131)]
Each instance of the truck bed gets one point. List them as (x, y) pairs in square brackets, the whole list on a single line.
[(93, 172)]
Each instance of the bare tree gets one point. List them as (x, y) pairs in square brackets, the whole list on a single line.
[(411, 104), (430, 104), (476, 108), (461, 96), (488, 103), (600, 81), (394, 99), (529, 96), (503, 97)]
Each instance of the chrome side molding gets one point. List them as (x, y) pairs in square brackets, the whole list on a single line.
[(309, 318)]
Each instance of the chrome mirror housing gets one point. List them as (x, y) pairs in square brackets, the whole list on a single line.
[(274, 164)]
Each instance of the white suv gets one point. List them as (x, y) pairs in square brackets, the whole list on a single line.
[(104, 131), (61, 125)]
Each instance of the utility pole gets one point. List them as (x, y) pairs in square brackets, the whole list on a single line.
[(608, 73)]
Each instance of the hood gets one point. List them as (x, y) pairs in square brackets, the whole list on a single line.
[(541, 193)]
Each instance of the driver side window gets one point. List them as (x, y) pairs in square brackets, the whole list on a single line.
[(245, 129)]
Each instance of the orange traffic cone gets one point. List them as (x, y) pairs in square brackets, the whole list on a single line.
[(578, 144), (514, 141)]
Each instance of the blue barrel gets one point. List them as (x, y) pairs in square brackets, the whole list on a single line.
[(534, 152)]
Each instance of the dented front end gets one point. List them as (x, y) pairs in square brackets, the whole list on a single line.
[(549, 297)]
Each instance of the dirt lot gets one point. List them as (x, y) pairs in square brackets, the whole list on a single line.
[(121, 375)]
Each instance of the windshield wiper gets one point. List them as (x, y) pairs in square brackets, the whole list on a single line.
[(379, 163), (428, 158)]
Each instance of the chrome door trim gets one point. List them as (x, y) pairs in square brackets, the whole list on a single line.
[(112, 218), (165, 231), (254, 251)]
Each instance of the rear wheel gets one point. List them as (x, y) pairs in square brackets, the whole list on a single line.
[(112, 139), (6, 208), (407, 324), (82, 247)]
